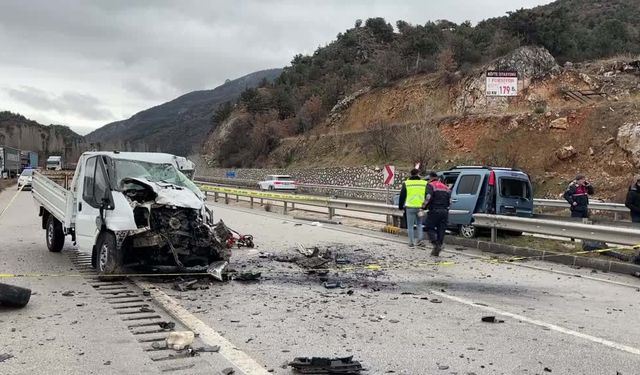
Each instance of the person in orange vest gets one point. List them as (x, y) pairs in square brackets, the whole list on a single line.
[(412, 198), (437, 203)]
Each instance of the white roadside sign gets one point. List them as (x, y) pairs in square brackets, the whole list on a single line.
[(502, 83)]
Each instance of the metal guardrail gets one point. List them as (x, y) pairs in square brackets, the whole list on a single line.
[(558, 228), (615, 208), (608, 234)]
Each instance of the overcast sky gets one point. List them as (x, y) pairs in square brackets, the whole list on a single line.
[(86, 63)]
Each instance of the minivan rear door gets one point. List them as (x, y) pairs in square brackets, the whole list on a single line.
[(464, 196), (514, 195)]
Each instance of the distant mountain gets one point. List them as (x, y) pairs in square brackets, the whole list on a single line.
[(178, 126)]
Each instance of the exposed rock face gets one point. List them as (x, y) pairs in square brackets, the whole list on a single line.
[(566, 153), (559, 123), (18, 132), (530, 62), (629, 140)]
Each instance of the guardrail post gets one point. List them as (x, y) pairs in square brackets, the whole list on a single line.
[(332, 213), (226, 198), (215, 196), (251, 200), (237, 198), (261, 201), (293, 206), (494, 234), (615, 216), (285, 208)]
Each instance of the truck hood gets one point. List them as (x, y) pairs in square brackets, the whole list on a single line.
[(171, 195)]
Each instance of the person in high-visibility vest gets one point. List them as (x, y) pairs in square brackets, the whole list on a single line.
[(412, 198)]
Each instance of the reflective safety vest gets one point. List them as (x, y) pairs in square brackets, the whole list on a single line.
[(416, 190)]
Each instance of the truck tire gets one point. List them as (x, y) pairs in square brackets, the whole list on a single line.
[(55, 235), (14, 296), (108, 256)]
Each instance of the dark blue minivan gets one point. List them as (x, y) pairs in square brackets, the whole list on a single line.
[(492, 190)]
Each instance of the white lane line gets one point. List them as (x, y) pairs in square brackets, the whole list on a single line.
[(597, 340), (358, 232), (208, 335)]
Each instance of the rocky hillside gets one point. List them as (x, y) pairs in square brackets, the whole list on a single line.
[(176, 126), (20, 132)]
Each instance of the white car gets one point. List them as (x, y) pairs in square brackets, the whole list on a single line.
[(278, 182), (25, 178)]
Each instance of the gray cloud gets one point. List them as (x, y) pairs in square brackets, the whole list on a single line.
[(134, 54), (67, 103)]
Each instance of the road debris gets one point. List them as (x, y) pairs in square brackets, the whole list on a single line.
[(68, 293), (245, 276), (308, 252), (14, 296), (5, 356), (228, 371), (167, 325), (185, 285), (207, 349), (317, 365), (333, 285), (435, 300), (179, 340), (491, 319), (216, 269)]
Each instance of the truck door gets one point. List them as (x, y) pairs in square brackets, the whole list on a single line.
[(93, 193), (464, 197)]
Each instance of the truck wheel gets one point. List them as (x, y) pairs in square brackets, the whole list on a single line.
[(14, 295), (108, 257), (271, 187), (468, 231), (55, 235)]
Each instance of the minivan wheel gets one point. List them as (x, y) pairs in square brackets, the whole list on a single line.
[(468, 231), (54, 234), (108, 258)]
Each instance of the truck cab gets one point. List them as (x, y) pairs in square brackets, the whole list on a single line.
[(54, 163), (482, 189)]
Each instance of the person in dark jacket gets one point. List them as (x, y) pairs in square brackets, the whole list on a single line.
[(412, 197), (633, 200), (577, 194), (437, 202)]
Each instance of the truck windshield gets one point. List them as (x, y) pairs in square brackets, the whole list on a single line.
[(155, 172), (514, 188)]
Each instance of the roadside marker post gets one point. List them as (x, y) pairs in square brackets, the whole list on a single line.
[(389, 173)]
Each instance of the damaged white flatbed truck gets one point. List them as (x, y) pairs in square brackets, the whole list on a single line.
[(131, 209)]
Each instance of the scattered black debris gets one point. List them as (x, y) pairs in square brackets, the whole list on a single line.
[(407, 293), (546, 369), (246, 276), (332, 285), (394, 321), (146, 309), (68, 293), (207, 349), (491, 319), (435, 300), (424, 298), (342, 261), (5, 356), (228, 371), (318, 365), (79, 304), (443, 367), (167, 325), (183, 286), (146, 293), (107, 363)]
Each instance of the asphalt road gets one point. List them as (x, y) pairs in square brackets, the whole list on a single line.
[(411, 317)]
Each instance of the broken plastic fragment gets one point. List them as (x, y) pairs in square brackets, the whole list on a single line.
[(373, 267), (179, 340), (217, 268)]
